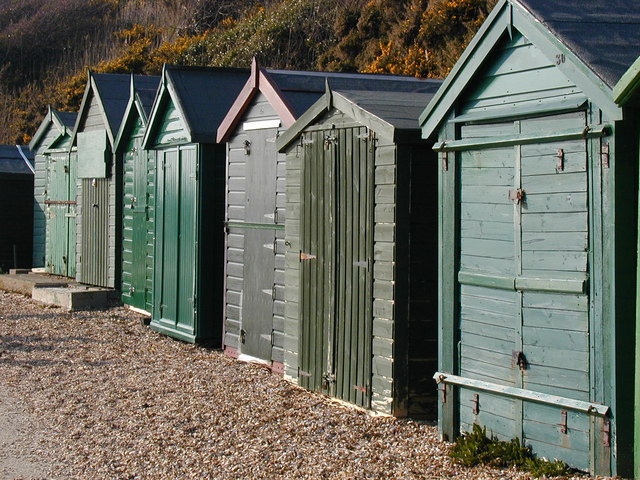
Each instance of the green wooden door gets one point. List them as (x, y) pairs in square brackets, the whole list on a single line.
[(524, 303), (176, 242), (337, 264), (134, 274), (60, 201)]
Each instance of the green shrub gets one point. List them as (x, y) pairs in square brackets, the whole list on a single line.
[(476, 448)]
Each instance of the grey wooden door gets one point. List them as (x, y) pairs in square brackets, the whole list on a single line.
[(259, 244)]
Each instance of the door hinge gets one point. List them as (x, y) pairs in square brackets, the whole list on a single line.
[(517, 196), (444, 156), (361, 389), (302, 373), (476, 404), (243, 336), (307, 256), (564, 428), (560, 160), (443, 391), (606, 432), (605, 155)]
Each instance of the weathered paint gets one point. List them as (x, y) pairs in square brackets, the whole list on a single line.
[(53, 137), (360, 265), (60, 204), (254, 280), (138, 201), (188, 261), (531, 294)]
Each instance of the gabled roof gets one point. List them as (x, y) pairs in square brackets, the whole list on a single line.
[(292, 92), (112, 93), (627, 90), (388, 113), (202, 96), (16, 159), (141, 98), (597, 44), (63, 122), (604, 34)]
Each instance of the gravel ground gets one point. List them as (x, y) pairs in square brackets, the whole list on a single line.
[(107, 398)]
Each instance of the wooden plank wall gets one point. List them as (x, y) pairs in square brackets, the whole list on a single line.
[(109, 275), (40, 191), (259, 110)]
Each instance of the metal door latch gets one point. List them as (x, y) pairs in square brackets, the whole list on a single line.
[(517, 196), (328, 140), (518, 358), (328, 378), (560, 161)]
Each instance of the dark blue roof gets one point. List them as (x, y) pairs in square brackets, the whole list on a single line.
[(604, 34), (399, 109), (146, 89), (302, 89), (68, 119), (205, 95), (12, 162), (114, 90)]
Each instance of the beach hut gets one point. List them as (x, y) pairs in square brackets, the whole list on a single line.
[(537, 174), (16, 214), (138, 198), (360, 233), (99, 171), (269, 103), (188, 267), (626, 93), (54, 222)]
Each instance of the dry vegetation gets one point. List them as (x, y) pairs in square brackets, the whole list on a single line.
[(47, 45)]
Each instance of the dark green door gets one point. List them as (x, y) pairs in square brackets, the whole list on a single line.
[(60, 201), (176, 243), (524, 301), (337, 263), (135, 219)]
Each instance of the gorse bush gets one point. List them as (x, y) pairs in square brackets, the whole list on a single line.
[(476, 448), (48, 45)]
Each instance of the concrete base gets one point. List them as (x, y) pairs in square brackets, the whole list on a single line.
[(77, 297), (24, 283), (61, 291)]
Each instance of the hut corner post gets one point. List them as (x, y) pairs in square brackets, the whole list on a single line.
[(625, 179), (448, 421)]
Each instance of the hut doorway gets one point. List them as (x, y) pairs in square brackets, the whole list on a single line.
[(337, 263)]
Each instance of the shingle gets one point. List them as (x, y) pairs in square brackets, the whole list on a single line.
[(604, 34)]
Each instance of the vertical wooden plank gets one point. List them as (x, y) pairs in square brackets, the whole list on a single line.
[(517, 214), (447, 285)]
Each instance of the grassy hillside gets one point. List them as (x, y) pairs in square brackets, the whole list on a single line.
[(47, 45)]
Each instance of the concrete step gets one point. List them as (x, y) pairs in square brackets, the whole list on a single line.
[(61, 291), (24, 283), (77, 297)]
